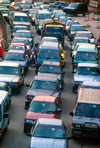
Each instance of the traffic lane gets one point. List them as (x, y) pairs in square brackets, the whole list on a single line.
[(68, 102)]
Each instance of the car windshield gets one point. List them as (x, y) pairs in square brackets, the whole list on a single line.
[(49, 131), (80, 41), (87, 71), (72, 5), (19, 28), (21, 19), (0, 113), (71, 23), (57, 11), (16, 47), (47, 85), (42, 107), (77, 28), (28, 2), (5, 11), (44, 16), (65, 19), (50, 69), (88, 110), (85, 56), (26, 7), (49, 54), (59, 14), (23, 34), (88, 35), (46, 7), (17, 4), (49, 39), (76, 47), (51, 9), (54, 30), (21, 41), (15, 57), (38, 4), (11, 13), (6, 2), (34, 14), (90, 87), (7, 70)]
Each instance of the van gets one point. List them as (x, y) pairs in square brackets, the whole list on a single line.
[(86, 54), (86, 113), (5, 111), (49, 51)]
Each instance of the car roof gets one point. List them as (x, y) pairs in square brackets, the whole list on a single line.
[(12, 64), (16, 51), (23, 31), (43, 12), (77, 25), (50, 38), (91, 83), (44, 99), (48, 121), (2, 84), (19, 38), (51, 63), (50, 45), (17, 43), (20, 14), (81, 38), (83, 32), (3, 94), (45, 78), (20, 26), (88, 65), (87, 48), (86, 95)]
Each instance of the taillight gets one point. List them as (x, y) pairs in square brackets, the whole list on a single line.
[(27, 97), (73, 64), (17, 83), (65, 28), (72, 125), (74, 83)]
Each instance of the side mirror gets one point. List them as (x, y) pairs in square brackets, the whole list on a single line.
[(73, 72), (63, 72), (71, 44), (69, 138), (2, 58), (59, 110), (71, 113), (33, 36), (12, 36), (29, 134), (6, 115), (27, 85)]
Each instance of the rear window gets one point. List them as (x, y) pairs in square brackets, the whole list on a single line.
[(54, 30), (44, 16)]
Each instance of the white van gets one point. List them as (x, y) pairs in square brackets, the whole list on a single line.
[(5, 111)]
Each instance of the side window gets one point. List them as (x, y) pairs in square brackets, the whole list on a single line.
[(20, 69), (6, 105)]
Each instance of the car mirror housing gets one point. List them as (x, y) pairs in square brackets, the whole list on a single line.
[(29, 134), (27, 85), (71, 113), (59, 110)]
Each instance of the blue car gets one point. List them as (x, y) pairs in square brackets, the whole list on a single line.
[(43, 85), (18, 56)]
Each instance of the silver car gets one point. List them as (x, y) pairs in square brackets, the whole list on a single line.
[(48, 133)]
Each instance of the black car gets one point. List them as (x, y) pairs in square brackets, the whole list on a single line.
[(59, 5), (76, 8)]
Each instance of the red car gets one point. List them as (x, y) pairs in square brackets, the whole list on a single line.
[(41, 107), (18, 46)]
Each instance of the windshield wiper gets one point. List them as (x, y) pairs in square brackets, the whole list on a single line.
[(49, 111)]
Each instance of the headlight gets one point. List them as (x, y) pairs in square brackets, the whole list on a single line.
[(98, 46), (29, 121), (77, 125)]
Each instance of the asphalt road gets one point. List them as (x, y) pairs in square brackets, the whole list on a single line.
[(15, 137)]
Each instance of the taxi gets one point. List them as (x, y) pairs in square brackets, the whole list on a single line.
[(63, 52), (5, 12)]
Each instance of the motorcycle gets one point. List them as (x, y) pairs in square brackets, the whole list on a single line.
[(32, 59), (98, 47)]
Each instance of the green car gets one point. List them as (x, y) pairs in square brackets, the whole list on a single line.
[(5, 12), (39, 27)]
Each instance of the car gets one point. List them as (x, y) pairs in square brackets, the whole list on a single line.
[(37, 4), (86, 53), (33, 17), (29, 2), (18, 46), (79, 40), (64, 19), (68, 24), (49, 51), (85, 72), (57, 15), (4, 86), (39, 27), (5, 3), (42, 15), (41, 85), (17, 28), (87, 34), (52, 69), (10, 15), (5, 12), (23, 40), (20, 19), (41, 107), (18, 56), (44, 7), (25, 8), (25, 34), (59, 4), (13, 74), (15, 6), (72, 30), (49, 39), (55, 11), (50, 9), (31, 11), (76, 8), (48, 132)]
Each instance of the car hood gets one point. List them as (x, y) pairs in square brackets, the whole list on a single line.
[(47, 143), (82, 78), (50, 75), (34, 116), (82, 120), (8, 78), (35, 92), (21, 23)]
